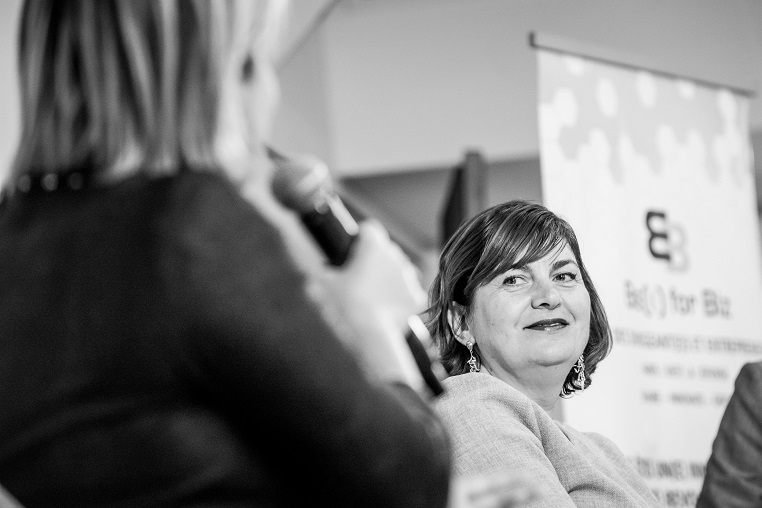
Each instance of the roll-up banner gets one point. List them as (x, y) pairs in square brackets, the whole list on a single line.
[(655, 174)]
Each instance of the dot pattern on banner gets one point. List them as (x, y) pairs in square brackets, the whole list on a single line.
[(638, 121)]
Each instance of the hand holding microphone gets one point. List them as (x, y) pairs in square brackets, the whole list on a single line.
[(377, 285)]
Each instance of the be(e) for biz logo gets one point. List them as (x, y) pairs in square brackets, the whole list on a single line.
[(666, 241)]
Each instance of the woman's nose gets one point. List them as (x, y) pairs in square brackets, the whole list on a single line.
[(545, 294)]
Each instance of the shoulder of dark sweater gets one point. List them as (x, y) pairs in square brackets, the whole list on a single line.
[(750, 373), (130, 198), (193, 232)]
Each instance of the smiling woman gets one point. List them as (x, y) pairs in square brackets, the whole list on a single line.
[(531, 325), (501, 252), (519, 324)]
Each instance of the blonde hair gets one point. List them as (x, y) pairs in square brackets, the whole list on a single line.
[(116, 87)]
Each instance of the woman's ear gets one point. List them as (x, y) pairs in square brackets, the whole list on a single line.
[(456, 318)]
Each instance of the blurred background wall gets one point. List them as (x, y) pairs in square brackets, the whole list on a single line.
[(392, 93)]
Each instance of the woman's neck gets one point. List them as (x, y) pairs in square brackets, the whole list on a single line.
[(543, 386)]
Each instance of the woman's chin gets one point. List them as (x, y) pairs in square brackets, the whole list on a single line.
[(563, 361)]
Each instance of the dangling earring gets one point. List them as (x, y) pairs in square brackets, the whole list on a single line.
[(471, 361), (579, 368)]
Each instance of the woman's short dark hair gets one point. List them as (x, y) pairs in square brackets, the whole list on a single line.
[(504, 236)]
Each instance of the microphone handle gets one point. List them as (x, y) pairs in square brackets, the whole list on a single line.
[(333, 228), (335, 231), (416, 334)]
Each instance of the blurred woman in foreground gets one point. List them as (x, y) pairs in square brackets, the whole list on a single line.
[(158, 344)]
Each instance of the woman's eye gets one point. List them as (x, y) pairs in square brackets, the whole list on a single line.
[(511, 280), (566, 277)]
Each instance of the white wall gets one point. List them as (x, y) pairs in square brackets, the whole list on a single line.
[(9, 94), (303, 124), (412, 83)]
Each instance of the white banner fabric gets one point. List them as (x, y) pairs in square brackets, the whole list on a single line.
[(655, 175)]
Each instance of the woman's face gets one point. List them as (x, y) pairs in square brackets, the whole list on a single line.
[(532, 317)]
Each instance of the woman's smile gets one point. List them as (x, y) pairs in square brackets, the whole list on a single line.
[(548, 325)]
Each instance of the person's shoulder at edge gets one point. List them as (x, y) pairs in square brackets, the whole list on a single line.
[(746, 392), (746, 395), (750, 373)]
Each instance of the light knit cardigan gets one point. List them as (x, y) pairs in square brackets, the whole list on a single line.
[(494, 427)]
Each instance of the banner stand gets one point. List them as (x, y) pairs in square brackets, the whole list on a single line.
[(654, 172)]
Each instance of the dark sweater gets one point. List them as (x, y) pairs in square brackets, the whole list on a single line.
[(157, 348)]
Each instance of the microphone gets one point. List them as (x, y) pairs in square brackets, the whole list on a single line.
[(306, 188)]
